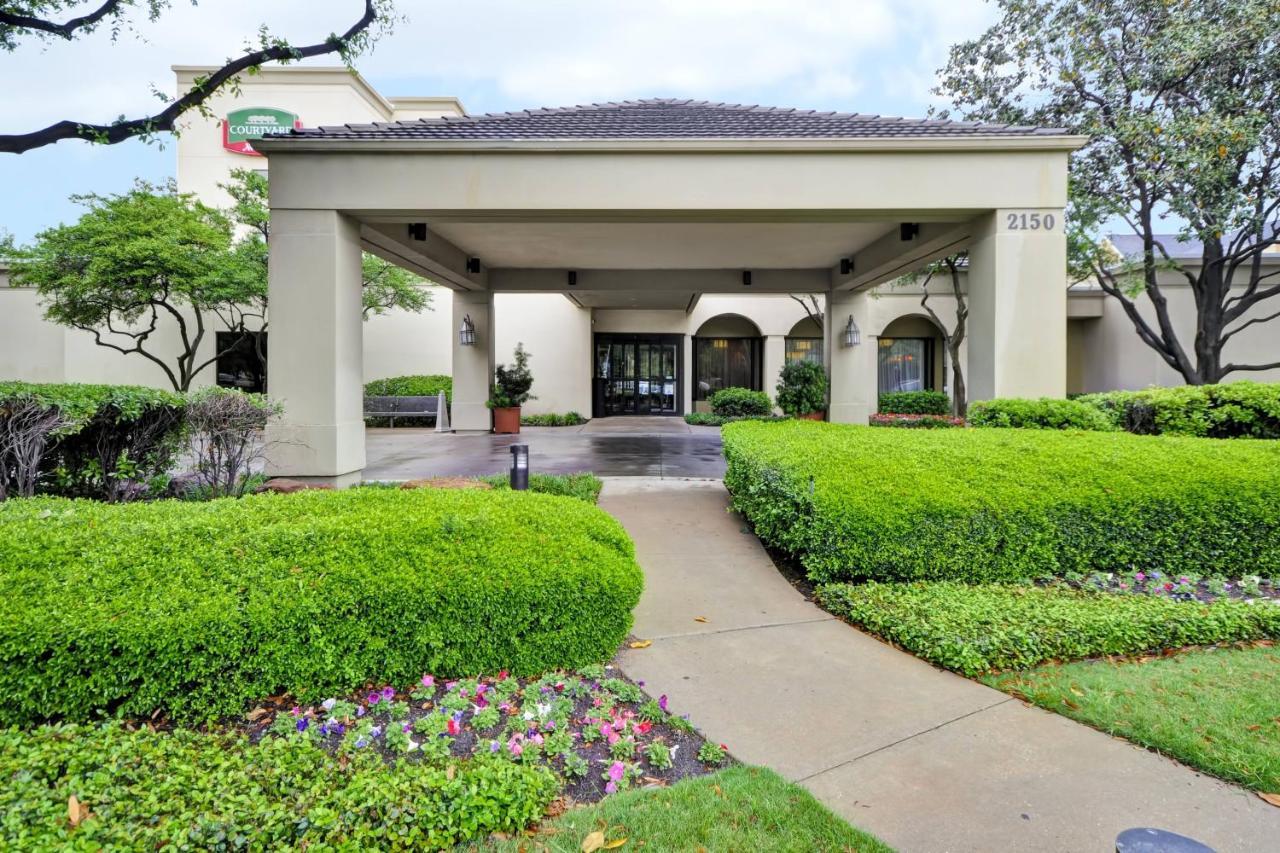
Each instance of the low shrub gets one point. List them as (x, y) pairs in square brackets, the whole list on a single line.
[(802, 388), (915, 403), (1044, 413), (428, 385), (739, 402), (981, 505), (991, 627), (111, 442), (1234, 410), (225, 431), (145, 790), (916, 421), (553, 420), (193, 610), (709, 419), (583, 486)]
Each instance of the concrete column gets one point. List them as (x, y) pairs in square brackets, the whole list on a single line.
[(1018, 306), (775, 353), (851, 370), (473, 365), (317, 351), (686, 380)]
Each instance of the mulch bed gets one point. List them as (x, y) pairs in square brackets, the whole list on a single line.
[(437, 719)]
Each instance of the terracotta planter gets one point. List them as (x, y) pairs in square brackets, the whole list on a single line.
[(813, 416), (506, 421)]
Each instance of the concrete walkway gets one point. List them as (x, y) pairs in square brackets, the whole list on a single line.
[(925, 759)]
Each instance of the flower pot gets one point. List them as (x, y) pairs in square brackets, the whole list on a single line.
[(506, 421), (813, 416)]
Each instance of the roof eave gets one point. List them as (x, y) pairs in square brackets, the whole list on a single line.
[(968, 142)]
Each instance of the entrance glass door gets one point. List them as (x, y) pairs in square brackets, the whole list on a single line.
[(637, 375)]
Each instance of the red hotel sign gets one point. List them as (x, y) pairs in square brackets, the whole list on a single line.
[(241, 127)]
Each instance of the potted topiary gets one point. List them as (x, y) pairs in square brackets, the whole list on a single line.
[(510, 391), (802, 390)]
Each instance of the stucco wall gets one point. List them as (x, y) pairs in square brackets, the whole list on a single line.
[(557, 335)]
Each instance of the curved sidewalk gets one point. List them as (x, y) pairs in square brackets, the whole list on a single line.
[(923, 758)]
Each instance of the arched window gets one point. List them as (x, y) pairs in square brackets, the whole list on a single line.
[(727, 353), (804, 342)]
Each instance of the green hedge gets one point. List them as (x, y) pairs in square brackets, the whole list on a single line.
[(915, 403), (428, 385), (583, 486), (740, 402), (991, 627), (1234, 410), (916, 421), (1044, 413), (113, 435), (196, 610), (553, 420), (709, 419), (981, 505), (187, 791)]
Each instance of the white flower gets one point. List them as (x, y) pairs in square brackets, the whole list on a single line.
[(328, 704), (413, 744)]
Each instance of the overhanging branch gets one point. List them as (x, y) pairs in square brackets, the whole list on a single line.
[(110, 134), (64, 30)]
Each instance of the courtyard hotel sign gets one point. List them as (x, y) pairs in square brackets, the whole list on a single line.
[(241, 127)]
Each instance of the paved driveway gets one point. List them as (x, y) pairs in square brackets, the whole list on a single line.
[(609, 447)]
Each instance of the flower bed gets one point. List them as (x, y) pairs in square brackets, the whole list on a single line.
[(993, 627), (981, 505), (194, 610), (916, 421)]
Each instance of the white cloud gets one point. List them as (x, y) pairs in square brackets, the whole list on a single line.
[(830, 53)]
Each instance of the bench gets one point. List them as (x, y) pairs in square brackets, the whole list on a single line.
[(407, 407)]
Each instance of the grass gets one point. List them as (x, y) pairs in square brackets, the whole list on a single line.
[(583, 486), (742, 808), (1217, 710)]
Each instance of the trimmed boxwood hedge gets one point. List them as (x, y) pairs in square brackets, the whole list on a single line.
[(992, 627), (739, 403), (184, 790), (1044, 413), (195, 610), (915, 403), (426, 385), (980, 505), (1233, 410)]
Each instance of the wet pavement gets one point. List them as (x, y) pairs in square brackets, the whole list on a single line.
[(611, 447)]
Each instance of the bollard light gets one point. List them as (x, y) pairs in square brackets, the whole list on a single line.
[(519, 467)]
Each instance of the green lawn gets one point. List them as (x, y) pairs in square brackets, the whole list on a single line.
[(739, 809), (1217, 710)]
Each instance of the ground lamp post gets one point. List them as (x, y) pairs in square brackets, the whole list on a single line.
[(520, 467)]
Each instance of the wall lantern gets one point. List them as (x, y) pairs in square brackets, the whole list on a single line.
[(519, 467), (467, 334), (852, 335), (746, 278)]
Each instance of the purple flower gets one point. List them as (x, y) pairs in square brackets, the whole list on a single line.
[(494, 746), (376, 731), (302, 724), (388, 693), (662, 702), (639, 684), (337, 728), (361, 743), (405, 728), (359, 710), (373, 698)]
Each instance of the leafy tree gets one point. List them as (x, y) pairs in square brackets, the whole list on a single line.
[(135, 262), (1180, 101), (952, 336), (512, 384), (34, 19)]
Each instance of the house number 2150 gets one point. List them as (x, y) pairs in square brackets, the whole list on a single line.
[(1031, 221)]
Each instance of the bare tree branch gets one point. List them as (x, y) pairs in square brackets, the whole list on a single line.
[(64, 30), (110, 134)]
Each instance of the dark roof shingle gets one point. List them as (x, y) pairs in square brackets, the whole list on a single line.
[(664, 118)]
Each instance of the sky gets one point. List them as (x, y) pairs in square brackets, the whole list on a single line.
[(869, 56)]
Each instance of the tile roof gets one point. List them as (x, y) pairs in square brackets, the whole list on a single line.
[(665, 118)]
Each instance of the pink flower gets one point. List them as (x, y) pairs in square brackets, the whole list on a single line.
[(644, 727), (428, 681), (481, 688), (502, 676), (1139, 576), (610, 788), (388, 693), (537, 739), (453, 727), (373, 698), (616, 771)]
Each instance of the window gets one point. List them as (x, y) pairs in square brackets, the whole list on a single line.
[(725, 363), (242, 362), (906, 364), (804, 349)]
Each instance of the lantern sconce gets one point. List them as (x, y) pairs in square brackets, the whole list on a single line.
[(852, 334), (467, 334)]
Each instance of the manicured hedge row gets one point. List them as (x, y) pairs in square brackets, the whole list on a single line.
[(198, 609), (1044, 413), (739, 403), (981, 505), (553, 420), (1233, 410), (974, 629), (145, 790), (916, 421), (427, 385), (915, 403)]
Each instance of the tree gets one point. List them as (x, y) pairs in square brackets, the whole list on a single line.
[(1180, 102), (21, 19), (952, 337), (134, 262), (812, 308)]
